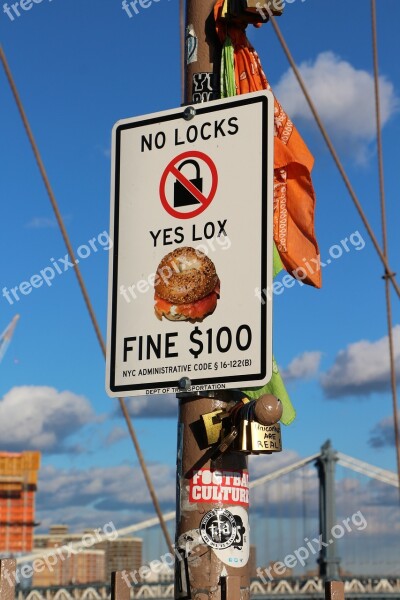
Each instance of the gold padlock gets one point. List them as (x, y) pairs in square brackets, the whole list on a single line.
[(265, 438), (242, 442)]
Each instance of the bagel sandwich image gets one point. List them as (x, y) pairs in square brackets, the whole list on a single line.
[(186, 286)]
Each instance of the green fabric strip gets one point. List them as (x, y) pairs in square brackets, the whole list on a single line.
[(228, 85)]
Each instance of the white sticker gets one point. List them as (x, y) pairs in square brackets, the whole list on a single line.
[(237, 554), (191, 45)]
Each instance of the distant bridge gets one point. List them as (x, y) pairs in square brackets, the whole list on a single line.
[(367, 588)]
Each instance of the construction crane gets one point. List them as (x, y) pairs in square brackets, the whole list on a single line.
[(6, 336)]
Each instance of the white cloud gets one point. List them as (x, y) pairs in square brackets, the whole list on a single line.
[(344, 97), (45, 222), (362, 368), (383, 434), (89, 498), (115, 435), (163, 406), (41, 418), (304, 366), (41, 223), (259, 466)]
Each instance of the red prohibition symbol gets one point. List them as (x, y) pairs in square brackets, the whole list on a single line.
[(189, 187)]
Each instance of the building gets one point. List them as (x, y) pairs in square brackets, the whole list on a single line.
[(78, 569), (122, 554), (86, 566), (18, 485), (90, 565)]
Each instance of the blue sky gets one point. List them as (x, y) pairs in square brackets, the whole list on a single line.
[(80, 67)]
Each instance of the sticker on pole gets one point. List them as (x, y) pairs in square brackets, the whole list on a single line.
[(191, 263), (183, 190), (218, 528), (227, 532), (225, 487), (237, 554)]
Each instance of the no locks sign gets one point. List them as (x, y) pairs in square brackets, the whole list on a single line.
[(191, 219)]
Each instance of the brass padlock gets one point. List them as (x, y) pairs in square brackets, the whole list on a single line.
[(243, 437), (243, 440), (265, 439)]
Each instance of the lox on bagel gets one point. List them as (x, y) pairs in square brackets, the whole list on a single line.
[(186, 286)]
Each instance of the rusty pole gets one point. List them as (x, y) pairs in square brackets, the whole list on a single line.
[(203, 572), (206, 570), (7, 579), (212, 526)]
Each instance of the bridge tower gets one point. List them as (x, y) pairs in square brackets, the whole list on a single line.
[(326, 465)]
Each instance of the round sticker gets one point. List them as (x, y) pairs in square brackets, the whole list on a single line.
[(218, 528)]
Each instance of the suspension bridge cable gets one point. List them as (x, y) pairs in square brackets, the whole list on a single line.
[(267, 529), (82, 285), (292, 510), (289, 56), (349, 509), (303, 507), (387, 275), (279, 520), (366, 469), (360, 495), (284, 470)]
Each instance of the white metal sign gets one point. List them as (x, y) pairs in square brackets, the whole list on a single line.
[(191, 219)]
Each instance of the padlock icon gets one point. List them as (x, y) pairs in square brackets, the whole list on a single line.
[(182, 196)]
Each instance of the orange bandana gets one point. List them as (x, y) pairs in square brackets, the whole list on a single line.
[(294, 197)]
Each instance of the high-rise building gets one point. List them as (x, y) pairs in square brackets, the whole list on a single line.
[(122, 554), (18, 485)]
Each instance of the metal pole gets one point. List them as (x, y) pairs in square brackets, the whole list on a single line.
[(206, 570), (203, 53), (326, 464), (120, 589), (334, 590), (203, 567), (7, 579)]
